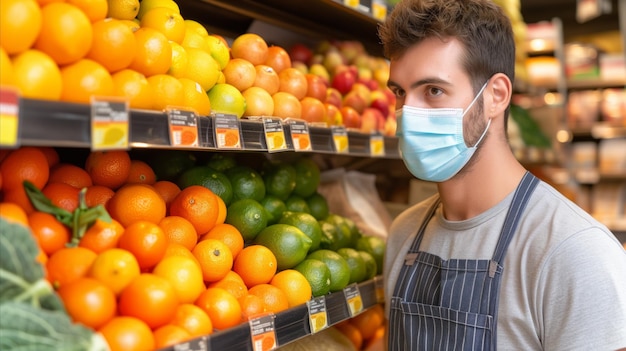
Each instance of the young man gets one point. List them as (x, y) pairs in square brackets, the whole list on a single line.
[(497, 259)]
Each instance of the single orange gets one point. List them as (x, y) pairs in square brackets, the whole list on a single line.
[(146, 241), (153, 54), (20, 24), (179, 230), (266, 78), (94, 9), (115, 268), (13, 213), (113, 44), (255, 264), (368, 321), (127, 333), (237, 289), (167, 91), (293, 81), (167, 21), (62, 195), (193, 319), (351, 332), (296, 287), (51, 234), (286, 105), (69, 264), (184, 275), (239, 73), (70, 174), (232, 275), (102, 236), (222, 307), (52, 155), (136, 202), (167, 189), (316, 87), (25, 163), (18, 197), (108, 168), (169, 335), (66, 33), (221, 216), (251, 307), (258, 102), (198, 205), (150, 298), (84, 79), (251, 47), (175, 249), (278, 58), (140, 173), (98, 195), (313, 110), (215, 259), (135, 87), (88, 301), (229, 235), (194, 97), (273, 298), (36, 75)]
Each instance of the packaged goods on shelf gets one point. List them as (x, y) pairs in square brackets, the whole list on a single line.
[(612, 67), (583, 108), (612, 158), (613, 106), (581, 61)]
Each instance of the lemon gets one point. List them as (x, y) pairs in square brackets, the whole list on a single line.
[(209, 178), (375, 246), (318, 275), (339, 269), (218, 50), (123, 9), (194, 26), (318, 205), (355, 262), (202, 68), (307, 177), (247, 183), (6, 68), (297, 204), (306, 223), (280, 180), (370, 264), (180, 60), (288, 243), (275, 208), (147, 5), (226, 99), (248, 216)]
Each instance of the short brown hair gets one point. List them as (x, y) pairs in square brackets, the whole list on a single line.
[(480, 25)]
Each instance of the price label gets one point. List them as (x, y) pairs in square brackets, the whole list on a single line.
[(263, 333), (9, 117), (379, 289), (109, 123), (274, 134), (340, 139), (318, 317), (300, 135), (377, 145), (198, 344), (227, 132), (183, 127), (353, 299)]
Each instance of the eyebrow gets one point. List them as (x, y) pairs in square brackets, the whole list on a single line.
[(431, 80)]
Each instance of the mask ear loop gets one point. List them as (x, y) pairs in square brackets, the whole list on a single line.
[(470, 106)]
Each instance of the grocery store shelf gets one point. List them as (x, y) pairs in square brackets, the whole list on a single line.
[(290, 325), (60, 124)]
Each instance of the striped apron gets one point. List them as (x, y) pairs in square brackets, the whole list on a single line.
[(451, 304)]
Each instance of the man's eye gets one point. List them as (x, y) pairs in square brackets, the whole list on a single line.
[(434, 91), (399, 93)]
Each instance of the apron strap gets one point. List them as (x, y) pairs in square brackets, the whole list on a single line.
[(420, 232), (520, 199)]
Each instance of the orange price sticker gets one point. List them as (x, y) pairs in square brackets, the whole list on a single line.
[(109, 123), (318, 317), (9, 117), (300, 135), (183, 126), (263, 333), (227, 132), (353, 299)]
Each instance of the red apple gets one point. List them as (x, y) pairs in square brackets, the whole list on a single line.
[(333, 96), (379, 101), (319, 70), (372, 120), (343, 81), (333, 115), (351, 118), (355, 100), (300, 52), (315, 87), (363, 91)]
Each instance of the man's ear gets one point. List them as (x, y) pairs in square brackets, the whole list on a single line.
[(498, 95)]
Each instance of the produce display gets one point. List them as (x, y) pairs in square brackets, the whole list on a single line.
[(148, 249), (150, 55)]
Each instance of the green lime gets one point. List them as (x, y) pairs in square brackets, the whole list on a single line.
[(356, 263), (275, 208), (307, 177), (375, 246), (317, 274), (288, 243), (296, 203), (222, 162), (227, 99), (209, 178), (318, 206), (247, 183), (370, 264), (339, 269), (248, 216), (306, 223), (335, 233), (280, 180), (169, 164)]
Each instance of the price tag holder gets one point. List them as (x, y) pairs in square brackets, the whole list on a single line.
[(300, 135), (110, 129), (183, 125), (377, 145), (379, 289), (340, 139), (263, 333), (318, 317), (198, 344), (274, 134), (9, 117), (227, 131), (353, 299)]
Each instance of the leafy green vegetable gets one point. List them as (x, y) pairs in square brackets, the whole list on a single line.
[(531, 133)]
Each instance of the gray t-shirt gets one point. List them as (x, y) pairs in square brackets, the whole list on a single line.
[(564, 279)]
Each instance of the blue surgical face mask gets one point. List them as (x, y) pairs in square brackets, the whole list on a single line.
[(431, 140)]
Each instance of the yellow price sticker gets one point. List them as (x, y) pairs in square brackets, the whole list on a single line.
[(9, 117), (353, 299), (340, 139), (377, 145), (318, 317), (109, 124)]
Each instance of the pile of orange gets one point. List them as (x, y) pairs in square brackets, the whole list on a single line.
[(364, 329), (164, 270)]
